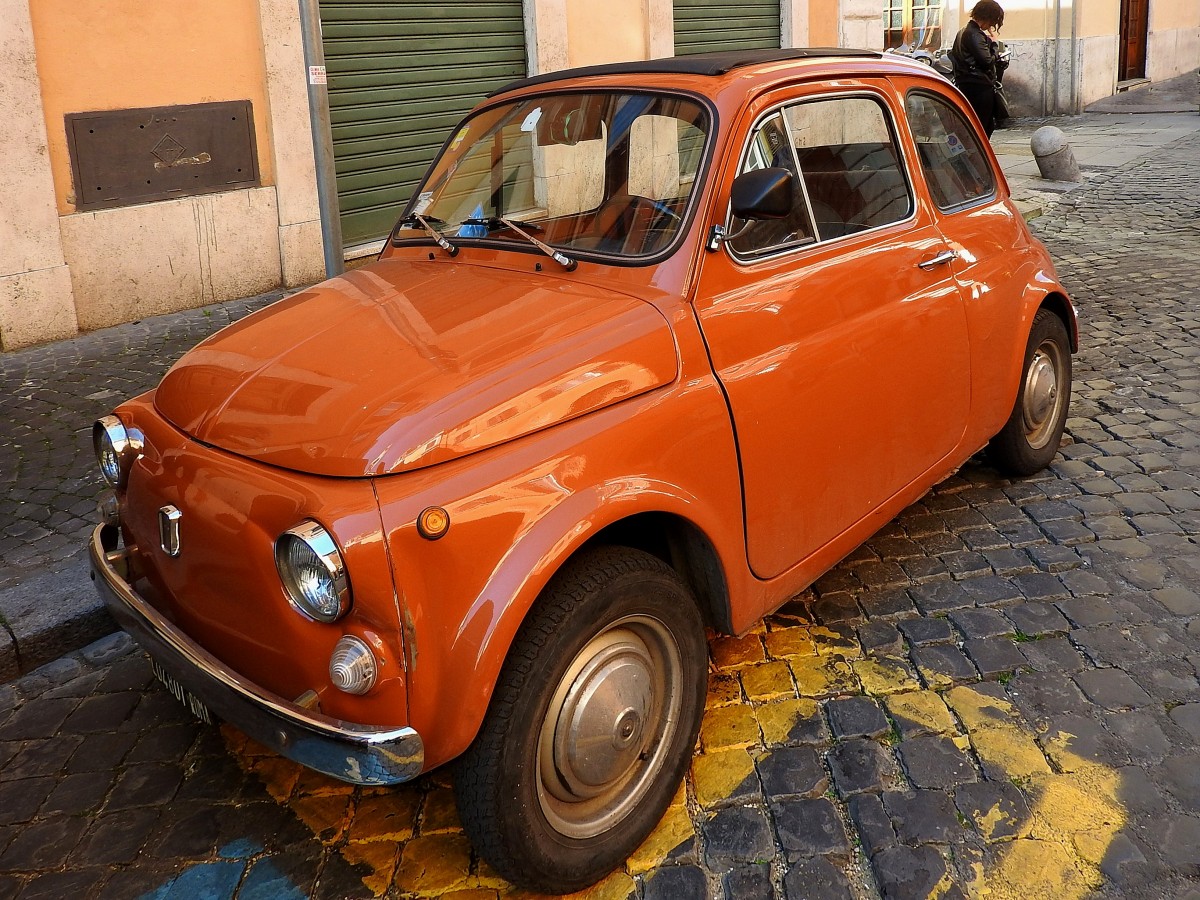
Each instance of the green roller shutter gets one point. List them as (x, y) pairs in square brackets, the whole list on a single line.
[(702, 26), (401, 74)]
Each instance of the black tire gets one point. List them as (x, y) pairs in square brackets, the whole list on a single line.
[(610, 621), (1030, 438)]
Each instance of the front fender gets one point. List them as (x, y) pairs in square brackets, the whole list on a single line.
[(518, 513)]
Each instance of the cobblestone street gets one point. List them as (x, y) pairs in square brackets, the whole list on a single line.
[(996, 696)]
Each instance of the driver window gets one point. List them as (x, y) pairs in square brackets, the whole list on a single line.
[(770, 148)]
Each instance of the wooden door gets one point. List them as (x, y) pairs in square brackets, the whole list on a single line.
[(1135, 23)]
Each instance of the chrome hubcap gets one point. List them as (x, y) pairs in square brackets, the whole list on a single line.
[(1042, 398), (608, 727)]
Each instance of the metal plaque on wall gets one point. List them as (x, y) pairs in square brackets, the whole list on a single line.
[(126, 156)]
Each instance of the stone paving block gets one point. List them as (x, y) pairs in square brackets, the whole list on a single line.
[(1040, 586), (725, 777), (885, 675), (767, 681), (996, 809), (672, 882), (941, 666), (815, 879), (837, 608), (891, 602), (862, 765), (925, 631), (792, 722), (1045, 695), (810, 827), (727, 727), (1056, 654), (1009, 562), (787, 771), (872, 823), (922, 570), (821, 677), (919, 712), (1075, 743), (1112, 689), (855, 717), (737, 834), (752, 882), (735, 652), (940, 596), (910, 873), (1178, 600), (994, 657), (1109, 645), (980, 623), (880, 638), (963, 564), (994, 590), (1036, 619), (795, 640), (1084, 612), (923, 817), (40, 844), (935, 761)]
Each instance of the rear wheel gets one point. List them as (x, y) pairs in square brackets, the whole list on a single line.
[(591, 726), (1030, 438)]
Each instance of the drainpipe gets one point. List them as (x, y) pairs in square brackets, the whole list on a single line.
[(1076, 59), (1057, 37), (322, 136)]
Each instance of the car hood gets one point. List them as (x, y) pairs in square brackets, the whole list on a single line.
[(401, 365)]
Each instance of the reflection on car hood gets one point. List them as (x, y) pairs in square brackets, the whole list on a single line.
[(400, 365)]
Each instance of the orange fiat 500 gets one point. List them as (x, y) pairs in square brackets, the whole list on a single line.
[(654, 345)]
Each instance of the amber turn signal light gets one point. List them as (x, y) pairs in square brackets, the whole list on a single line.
[(433, 523)]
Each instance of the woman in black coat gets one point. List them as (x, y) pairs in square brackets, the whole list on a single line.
[(976, 63)]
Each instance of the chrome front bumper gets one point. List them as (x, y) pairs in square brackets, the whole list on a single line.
[(360, 754)]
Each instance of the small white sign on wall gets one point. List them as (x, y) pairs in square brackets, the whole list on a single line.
[(316, 75)]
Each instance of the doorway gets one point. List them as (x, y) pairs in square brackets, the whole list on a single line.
[(1135, 24)]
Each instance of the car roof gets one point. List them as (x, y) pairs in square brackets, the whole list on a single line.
[(702, 64)]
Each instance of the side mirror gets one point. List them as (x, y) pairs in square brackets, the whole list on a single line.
[(762, 194)]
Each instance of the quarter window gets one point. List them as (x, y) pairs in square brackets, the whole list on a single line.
[(955, 166), (849, 174)]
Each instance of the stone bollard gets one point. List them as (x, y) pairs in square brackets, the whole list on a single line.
[(1055, 160)]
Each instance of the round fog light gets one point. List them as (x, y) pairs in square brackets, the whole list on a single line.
[(352, 666)]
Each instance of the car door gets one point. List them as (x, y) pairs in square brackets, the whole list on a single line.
[(837, 333), (993, 263)]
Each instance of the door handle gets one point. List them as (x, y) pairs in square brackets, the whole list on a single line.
[(940, 260)]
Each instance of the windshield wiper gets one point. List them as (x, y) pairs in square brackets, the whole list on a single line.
[(561, 258), (428, 228)]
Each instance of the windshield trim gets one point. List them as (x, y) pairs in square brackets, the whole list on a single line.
[(612, 259)]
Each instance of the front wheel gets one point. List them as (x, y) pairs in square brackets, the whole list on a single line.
[(591, 726), (1032, 434)]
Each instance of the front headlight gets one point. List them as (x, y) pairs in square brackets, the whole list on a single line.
[(116, 448), (313, 573)]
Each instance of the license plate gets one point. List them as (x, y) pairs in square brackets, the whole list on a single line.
[(199, 710)]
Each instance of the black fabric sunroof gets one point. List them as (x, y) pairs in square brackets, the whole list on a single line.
[(697, 64)]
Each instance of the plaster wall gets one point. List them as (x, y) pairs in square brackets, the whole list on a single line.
[(1170, 14), (823, 18), (1172, 52), (137, 261), (35, 287), (794, 23), (612, 31), (302, 258), (861, 24), (126, 54)]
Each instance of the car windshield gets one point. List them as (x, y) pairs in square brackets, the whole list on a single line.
[(600, 172)]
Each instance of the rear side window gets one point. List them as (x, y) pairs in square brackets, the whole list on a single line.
[(956, 168), (848, 176)]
